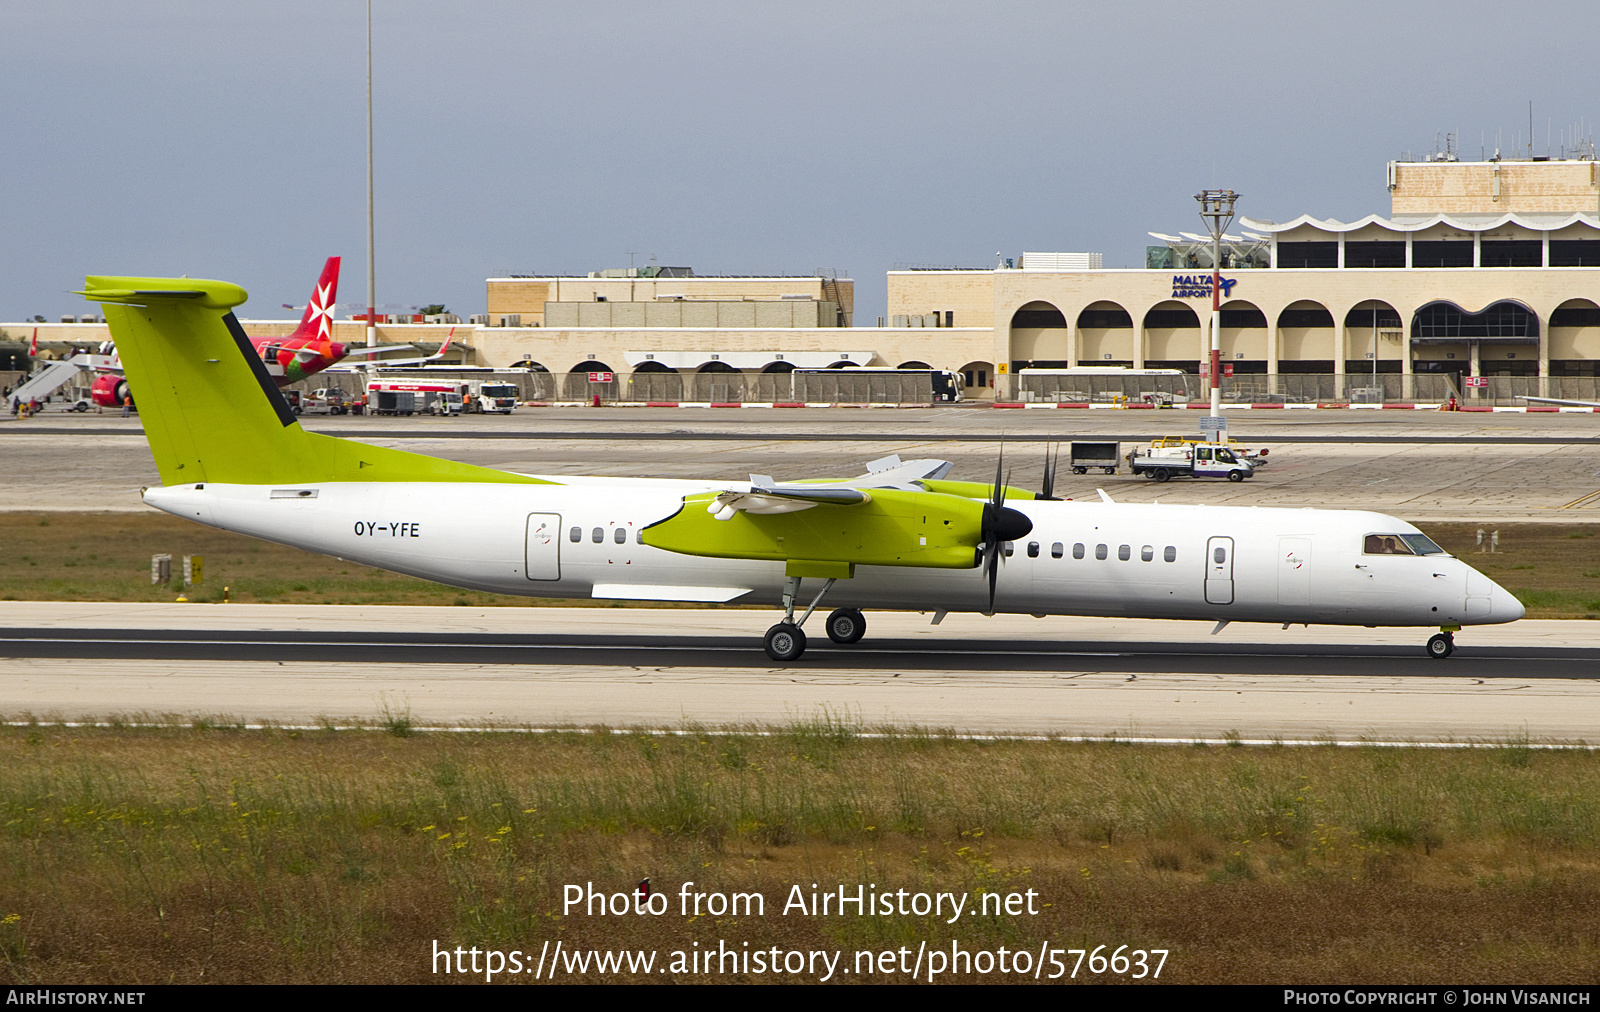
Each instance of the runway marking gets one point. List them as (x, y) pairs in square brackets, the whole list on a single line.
[(946, 651), (1590, 501)]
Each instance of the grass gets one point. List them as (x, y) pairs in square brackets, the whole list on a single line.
[(106, 557), (1551, 568), (201, 852)]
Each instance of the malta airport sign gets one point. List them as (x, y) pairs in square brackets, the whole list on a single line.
[(1198, 286)]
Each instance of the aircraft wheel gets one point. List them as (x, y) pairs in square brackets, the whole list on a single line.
[(785, 642), (1161, 474), (846, 625), (1236, 476), (1441, 645)]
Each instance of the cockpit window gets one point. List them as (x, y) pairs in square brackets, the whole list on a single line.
[(1400, 544), (1422, 544)]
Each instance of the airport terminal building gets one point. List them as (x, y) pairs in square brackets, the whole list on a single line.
[(1481, 269), (1482, 281)]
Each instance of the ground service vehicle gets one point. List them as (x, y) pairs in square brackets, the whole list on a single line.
[(411, 394), (1182, 458), (493, 398), (1106, 456), (900, 535), (326, 401)]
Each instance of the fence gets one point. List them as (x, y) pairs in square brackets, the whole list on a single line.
[(831, 387), (1311, 388)]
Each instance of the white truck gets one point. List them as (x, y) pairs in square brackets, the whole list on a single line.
[(1185, 458), (493, 398)]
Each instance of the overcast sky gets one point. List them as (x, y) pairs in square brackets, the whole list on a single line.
[(227, 140)]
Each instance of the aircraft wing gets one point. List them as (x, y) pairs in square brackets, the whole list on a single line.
[(1555, 400), (768, 496), (350, 352)]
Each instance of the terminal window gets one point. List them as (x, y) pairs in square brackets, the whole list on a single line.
[(1511, 253), (1441, 254), (1375, 254), (1308, 254)]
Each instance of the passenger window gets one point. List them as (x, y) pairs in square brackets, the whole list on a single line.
[(1124, 553), (1146, 553), (577, 534), (638, 537), (1220, 555), (1100, 552), (1057, 550), (620, 535), (1171, 554), (1033, 549), (1077, 550), (599, 535), (1011, 548)]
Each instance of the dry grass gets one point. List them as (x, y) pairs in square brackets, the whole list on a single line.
[(1553, 569), (211, 854)]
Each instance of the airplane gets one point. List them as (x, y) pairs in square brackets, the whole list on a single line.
[(901, 536), (1561, 403), (304, 353)]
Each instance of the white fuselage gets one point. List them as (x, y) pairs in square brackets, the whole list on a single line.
[(581, 539)]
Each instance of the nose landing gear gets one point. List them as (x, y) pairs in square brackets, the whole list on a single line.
[(1441, 645)]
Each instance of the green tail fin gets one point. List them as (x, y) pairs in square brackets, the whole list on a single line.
[(210, 410)]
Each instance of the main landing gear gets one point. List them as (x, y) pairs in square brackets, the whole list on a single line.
[(786, 641), (1441, 645), (846, 625)]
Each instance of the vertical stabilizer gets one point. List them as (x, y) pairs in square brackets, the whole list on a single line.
[(317, 322), (210, 410)]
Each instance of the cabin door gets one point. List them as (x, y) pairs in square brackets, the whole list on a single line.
[(1219, 571), (544, 546)]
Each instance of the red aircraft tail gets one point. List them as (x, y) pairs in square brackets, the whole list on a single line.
[(317, 323)]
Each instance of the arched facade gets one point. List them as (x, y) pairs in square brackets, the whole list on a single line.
[(1245, 337), (1573, 338), (1105, 335), (977, 379), (1172, 335), (1038, 334)]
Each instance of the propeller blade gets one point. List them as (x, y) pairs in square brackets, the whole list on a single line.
[(1049, 484), (991, 560), (997, 494)]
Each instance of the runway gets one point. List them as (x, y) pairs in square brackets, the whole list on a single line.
[(1536, 681)]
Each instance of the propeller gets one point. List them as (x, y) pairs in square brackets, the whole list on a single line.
[(999, 526), (1052, 453)]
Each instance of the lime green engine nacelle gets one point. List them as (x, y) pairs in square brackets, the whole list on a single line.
[(891, 528)]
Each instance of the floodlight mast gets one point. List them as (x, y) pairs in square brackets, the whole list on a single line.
[(372, 273), (1216, 207)]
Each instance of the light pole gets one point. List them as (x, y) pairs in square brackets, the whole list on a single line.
[(1216, 207), (372, 272)]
